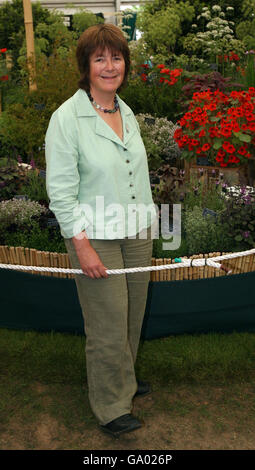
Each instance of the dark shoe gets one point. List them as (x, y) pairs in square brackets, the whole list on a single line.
[(124, 423), (143, 388)]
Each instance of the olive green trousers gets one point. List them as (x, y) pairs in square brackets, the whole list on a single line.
[(113, 310)]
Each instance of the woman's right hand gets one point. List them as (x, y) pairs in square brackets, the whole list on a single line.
[(90, 262)]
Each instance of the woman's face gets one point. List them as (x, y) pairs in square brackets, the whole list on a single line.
[(107, 71)]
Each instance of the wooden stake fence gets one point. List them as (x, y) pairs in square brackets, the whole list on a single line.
[(32, 257)]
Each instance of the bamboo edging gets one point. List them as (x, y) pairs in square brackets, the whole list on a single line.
[(31, 257)]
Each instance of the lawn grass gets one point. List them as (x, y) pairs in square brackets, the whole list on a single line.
[(198, 379)]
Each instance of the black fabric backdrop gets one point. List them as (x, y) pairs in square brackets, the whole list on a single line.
[(43, 303)]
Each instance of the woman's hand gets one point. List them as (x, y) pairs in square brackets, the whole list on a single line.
[(90, 262)]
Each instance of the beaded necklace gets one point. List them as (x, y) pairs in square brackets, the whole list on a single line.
[(97, 106)]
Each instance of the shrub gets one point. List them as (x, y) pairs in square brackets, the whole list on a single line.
[(35, 187), (11, 178), (158, 251), (204, 234), (208, 81), (57, 78), (19, 212), (238, 218), (197, 193), (157, 134), (35, 236), (219, 126)]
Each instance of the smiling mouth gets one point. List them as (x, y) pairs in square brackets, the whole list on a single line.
[(109, 78)]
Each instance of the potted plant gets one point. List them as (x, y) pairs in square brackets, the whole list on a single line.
[(219, 127)]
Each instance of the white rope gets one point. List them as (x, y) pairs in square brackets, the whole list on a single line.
[(183, 263)]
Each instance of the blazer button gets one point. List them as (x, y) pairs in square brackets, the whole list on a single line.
[(130, 173), (127, 161), (133, 197), (125, 150), (131, 185)]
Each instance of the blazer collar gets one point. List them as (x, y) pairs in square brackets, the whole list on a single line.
[(84, 108)]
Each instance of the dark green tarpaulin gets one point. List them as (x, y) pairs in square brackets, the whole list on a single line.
[(43, 303)]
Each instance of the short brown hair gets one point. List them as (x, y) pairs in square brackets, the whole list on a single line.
[(100, 36)]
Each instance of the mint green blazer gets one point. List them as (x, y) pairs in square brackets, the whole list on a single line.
[(94, 180)]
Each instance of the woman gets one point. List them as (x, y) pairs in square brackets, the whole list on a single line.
[(97, 175)]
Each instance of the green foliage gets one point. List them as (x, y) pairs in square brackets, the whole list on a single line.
[(203, 234), (35, 236), (245, 30), (238, 218), (208, 81), (161, 25), (157, 135), (57, 78), (24, 223), (153, 98), (18, 214), (12, 30), (35, 187), (11, 178), (83, 20), (250, 70), (199, 194), (215, 37), (158, 251)]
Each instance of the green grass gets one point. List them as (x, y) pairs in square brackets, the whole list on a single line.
[(206, 378), (60, 358)]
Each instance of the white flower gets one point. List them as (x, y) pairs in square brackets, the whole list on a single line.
[(216, 8), (229, 8)]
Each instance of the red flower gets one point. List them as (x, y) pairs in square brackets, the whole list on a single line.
[(242, 150), (233, 57), (230, 148), (160, 66), (235, 116), (206, 147), (201, 133), (165, 71), (4, 78), (144, 77), (3, 50), (175, 73), (251, 126)]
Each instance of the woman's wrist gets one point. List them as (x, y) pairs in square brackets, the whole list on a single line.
[(81, 240), (81, 236)]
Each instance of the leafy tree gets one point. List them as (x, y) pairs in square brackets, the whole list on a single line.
[(12, 29), (83, 19), (246, 29), (162, 25), (25, 123)]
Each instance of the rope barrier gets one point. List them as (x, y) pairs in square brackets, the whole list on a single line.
[(179, 263)]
